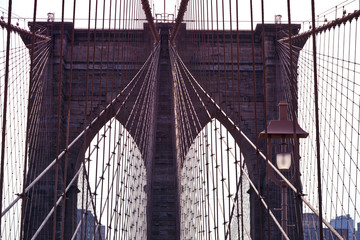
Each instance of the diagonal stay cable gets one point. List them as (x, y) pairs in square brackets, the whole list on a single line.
[(253, 145), (62, 153)]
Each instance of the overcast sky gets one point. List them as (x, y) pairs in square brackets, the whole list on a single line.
[(301, 9)]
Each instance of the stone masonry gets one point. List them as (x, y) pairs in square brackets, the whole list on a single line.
[(201, 50)]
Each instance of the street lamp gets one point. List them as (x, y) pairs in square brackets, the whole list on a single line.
[(283, 129), (283, 161)]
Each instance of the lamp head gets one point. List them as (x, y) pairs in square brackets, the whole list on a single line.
[(283, 128), (283, 161)]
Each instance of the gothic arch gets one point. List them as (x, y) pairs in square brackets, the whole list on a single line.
[(97, 124)]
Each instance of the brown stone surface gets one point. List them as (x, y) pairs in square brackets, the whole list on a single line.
[(205, 53)]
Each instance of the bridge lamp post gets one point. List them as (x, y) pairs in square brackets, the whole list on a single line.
[(279, 131)]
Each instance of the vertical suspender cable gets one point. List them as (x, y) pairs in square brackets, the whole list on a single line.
[(102, 159), (28, 122), (255, 116), (241, 213), (58, 120), (67, 128), (3, 140), (85, 113), (296, 139), (265, 115), (87, 143), (316, 97)]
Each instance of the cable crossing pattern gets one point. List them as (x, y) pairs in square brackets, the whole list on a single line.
[(116, 124)]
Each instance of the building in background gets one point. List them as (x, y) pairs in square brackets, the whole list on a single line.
[(310, 226), (88, 232), (344, 225), (357, 234)]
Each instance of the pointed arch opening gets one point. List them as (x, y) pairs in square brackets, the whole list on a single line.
[(112, 201), (214, 201)]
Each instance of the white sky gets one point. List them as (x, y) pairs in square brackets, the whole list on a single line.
[(301, 9)]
